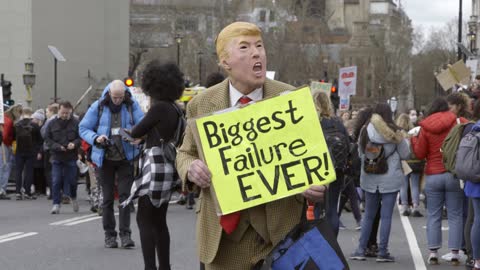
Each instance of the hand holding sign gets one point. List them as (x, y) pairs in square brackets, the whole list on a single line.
[(199, 174), (315, 193)]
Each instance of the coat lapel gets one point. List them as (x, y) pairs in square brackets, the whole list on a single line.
[(219, 97)]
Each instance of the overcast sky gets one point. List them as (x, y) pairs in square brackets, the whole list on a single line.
[(435, 13)]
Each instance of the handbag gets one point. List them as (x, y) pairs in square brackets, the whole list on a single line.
[(310, 245)]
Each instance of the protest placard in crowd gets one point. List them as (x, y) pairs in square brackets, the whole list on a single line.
[(265, 151)]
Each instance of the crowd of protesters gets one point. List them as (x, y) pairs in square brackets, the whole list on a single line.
[(52, 148)]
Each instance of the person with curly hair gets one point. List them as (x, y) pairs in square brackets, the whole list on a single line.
[(164, 83)]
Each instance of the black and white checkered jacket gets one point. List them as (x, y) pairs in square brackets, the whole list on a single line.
[(157, 175)]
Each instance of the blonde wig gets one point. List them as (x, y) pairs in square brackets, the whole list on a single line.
[(232, 31)]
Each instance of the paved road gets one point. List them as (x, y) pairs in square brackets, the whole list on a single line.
[(32, 238)]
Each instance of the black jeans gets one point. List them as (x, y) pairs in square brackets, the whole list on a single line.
[(48, 168), (154, 235), (373, 235), (350, 193), (24, 165), (123, 170)]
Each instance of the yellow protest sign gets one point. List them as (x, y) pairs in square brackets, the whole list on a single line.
[(265, 151)]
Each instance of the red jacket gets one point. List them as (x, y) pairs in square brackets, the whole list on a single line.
[(427, 144), (7, 131)]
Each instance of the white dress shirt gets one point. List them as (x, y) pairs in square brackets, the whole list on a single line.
[(235, 95)]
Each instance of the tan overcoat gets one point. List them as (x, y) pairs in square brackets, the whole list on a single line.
[(279, 216)]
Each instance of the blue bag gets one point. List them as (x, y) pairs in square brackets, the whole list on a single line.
[(310, 245)]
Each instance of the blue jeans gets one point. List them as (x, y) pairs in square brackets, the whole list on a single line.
[(412, 180), (5, 165), (66, 171), (24, 167), (444, 189), (372, 201), (475, 235)]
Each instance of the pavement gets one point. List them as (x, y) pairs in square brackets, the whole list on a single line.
[(32, 238)]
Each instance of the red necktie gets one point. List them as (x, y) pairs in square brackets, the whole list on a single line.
[(230, 221), (244, 100)]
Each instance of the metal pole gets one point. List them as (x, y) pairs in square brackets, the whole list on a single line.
[(55, 80), (200, 68), (459, 52), (178, 54)]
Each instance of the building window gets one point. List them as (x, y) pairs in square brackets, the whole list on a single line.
[(188, 24), (263, 15), (272, 16), (368, 85)]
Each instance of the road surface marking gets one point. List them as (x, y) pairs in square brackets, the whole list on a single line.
[(62, 222), (9, 235), (84, 220), (22, 235), (80, 219), (412, 243)]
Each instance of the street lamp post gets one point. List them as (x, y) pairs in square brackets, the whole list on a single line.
[(200, 54), (29, 80), (178, 40), (57, 56), (472, 33), (459, 38)]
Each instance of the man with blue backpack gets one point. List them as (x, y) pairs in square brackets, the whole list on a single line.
[(115, 110)]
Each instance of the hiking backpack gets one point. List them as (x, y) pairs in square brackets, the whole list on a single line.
[(450, 146), (338, 145), (468, 158), (24, 134)]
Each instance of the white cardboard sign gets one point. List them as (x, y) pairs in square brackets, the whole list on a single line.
[(347, 81)]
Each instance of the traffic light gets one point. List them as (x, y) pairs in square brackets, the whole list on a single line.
[(128, 81), (6, 91), (334, 94)]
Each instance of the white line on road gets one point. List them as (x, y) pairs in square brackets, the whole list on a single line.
[(22, 235), (9, 235), (61, 222), (82, 221), (412, 243)]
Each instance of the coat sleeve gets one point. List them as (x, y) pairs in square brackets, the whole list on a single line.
[(419, 145), (78, 140), (87, 125), (403, 149), (137, 113)]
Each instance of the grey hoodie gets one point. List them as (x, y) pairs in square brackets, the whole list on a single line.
[(379, 132)]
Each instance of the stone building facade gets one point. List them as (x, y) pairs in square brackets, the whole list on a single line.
[(305, 39), (91, 34)]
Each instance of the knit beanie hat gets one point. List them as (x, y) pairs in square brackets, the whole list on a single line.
[(39, 115)]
